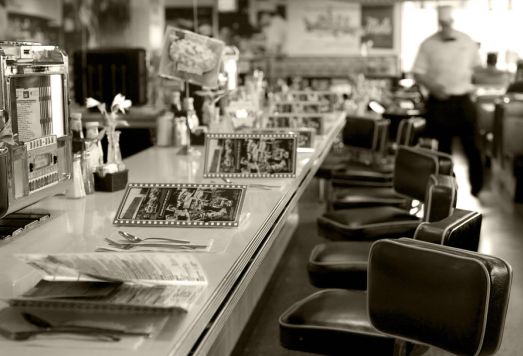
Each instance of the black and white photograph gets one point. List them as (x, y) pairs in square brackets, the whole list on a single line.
[(346, 175), (327, 99), (250, 155), (207, 205), (284, 107), (301, 105), (305, 136)]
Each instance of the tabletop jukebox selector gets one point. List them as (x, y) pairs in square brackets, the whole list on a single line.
[(35, 147)]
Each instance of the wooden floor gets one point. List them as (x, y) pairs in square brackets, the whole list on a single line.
[(501, 235)]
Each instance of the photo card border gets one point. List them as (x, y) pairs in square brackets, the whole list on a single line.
[(221, 224), (244, 135)]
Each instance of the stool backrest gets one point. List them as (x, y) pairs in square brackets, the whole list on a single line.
[(507, 128), (366, 138), (413, 169), (446, 297), (365, 133), (461, 229), (441, 196), (410, 130)]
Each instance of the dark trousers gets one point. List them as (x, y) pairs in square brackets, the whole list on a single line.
[(456, 116)]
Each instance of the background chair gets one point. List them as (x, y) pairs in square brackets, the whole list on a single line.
[(343, 264), (363, 140), (350, 188), (440, 296), (415, 169), (507, 162), (377, 172)]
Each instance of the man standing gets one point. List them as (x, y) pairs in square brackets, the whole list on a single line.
[(444, 65)]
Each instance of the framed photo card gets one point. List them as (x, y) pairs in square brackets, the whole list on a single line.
[(297, 121), (305, 136), (284, 107), (326, 99), (181, 204), (320, 104), (250, 155)]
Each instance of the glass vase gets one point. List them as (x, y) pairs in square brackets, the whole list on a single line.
[(114, 155)]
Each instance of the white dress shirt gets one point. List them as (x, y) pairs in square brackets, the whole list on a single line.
[(449, 63)]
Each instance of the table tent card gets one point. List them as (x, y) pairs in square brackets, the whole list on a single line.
[(328, 100), (181, 204), (191, 57), (305, 136), (297, 107), (250, 155), (296, 121)]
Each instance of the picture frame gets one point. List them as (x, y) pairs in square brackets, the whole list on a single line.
[(191, 57), (305, 136), (296, 121), (181, 205), (327, 99), (250, 155), (302, 107)]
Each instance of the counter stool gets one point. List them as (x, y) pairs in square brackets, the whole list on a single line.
[(419, 294), (343, 264), (419, 174), (362, 137), (356, 174), (349, 190)]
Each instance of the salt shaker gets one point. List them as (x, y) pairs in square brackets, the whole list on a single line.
[(87, 173), (77, 132), (76, 189)]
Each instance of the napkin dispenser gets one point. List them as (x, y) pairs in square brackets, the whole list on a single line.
[(35, 147)]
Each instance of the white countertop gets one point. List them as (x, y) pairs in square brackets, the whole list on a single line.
[(79, 225)]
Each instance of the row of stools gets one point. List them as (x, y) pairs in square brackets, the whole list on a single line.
[(397, 280)]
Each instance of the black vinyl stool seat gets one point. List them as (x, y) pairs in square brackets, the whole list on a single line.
[(419, 293), (355, 197), (415, 168), (343, 264)]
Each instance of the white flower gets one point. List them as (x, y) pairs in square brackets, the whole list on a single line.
[(111, 119), (120, 103), (91, 103)]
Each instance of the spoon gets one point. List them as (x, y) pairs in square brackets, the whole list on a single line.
[(135, 239)]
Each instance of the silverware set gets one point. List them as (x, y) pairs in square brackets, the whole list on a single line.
[(135, 242), (134, 238)]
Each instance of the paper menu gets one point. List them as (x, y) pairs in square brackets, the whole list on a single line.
[(158, 268), (128, 283), (120, 297)]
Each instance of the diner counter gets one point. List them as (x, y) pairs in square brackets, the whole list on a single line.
[(238, 266)]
